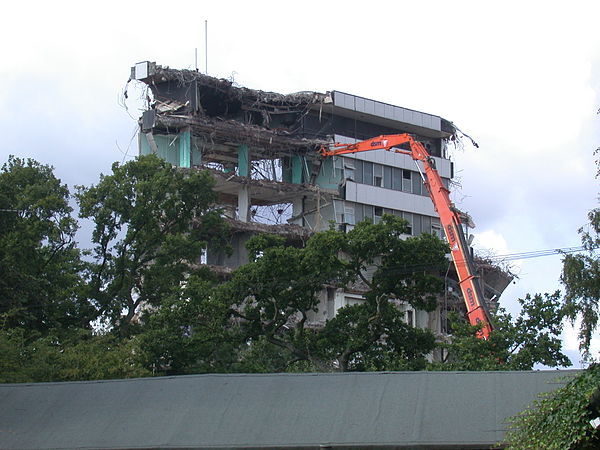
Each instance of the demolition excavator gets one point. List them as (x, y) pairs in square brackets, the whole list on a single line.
[(477, 311)]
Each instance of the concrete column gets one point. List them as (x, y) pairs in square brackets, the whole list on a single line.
[(185, 148), (244, 204)]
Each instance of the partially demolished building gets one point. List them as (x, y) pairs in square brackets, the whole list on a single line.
[(262, 148)]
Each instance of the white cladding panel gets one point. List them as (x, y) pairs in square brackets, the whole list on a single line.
[(386, 110), (387, 198)]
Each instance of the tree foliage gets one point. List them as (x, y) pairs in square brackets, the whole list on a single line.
[(39, 262), (533, 337), (560, 419), (163, 313), (273, 297), (151, 223), (581, 278), (79, 355)]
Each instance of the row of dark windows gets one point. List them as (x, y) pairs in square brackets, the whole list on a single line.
[(388, 177), (352, 213)]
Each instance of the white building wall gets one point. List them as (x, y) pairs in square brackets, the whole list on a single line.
[(387, 198)]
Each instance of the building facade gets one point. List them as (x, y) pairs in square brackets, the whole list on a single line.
[(262, 149)]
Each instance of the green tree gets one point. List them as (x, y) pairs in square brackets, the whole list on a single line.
[(151, 222), (80, 355), (533, 337), (39, 262), (581, 278), (561, 419), (190, 332), (272, 298)]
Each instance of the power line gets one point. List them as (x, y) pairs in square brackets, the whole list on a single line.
[(534, 254)]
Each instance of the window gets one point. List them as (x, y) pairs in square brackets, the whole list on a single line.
[(436, 228), (417, 227), (409, 317), (349, 168), (387, 177), (358, 171), (349, 214), (417, 184), (378, 213), (409, 218), (406, 181), (338, 207), (378, 175), (358, 213), (368, 173), (338, 165), (396, 179), (426, 223)]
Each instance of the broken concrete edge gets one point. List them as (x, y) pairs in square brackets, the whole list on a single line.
[(280, 186), (219, 131), (254, 100)]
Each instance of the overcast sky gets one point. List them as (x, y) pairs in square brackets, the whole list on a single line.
[(521, 77)]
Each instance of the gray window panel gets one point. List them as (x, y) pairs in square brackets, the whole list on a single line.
[(409, 218), (417, 183), (378, 211), (368, 211), (426, 223), (436, 227), (397, 179), (446, 183), (358, 171), (378, 175), (358, 212), (368, 173), (388, 211), (387, 177), (406, 181), (417, 225)]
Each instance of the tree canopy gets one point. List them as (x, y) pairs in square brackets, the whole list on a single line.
[(39, 261), (140, 303), (581, 278), (560, 419), (151, 223), (533, 337)]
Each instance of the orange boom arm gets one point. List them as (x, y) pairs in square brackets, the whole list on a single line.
[(476, 308)]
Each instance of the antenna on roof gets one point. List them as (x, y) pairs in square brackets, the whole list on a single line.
[(206, 46)]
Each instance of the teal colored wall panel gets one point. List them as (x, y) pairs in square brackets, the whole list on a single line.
[(243, 161), (168, 148), (144, 145), (328, 178), (185, 149), (297, 169)]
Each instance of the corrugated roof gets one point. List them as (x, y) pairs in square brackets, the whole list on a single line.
[(368, 410)]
